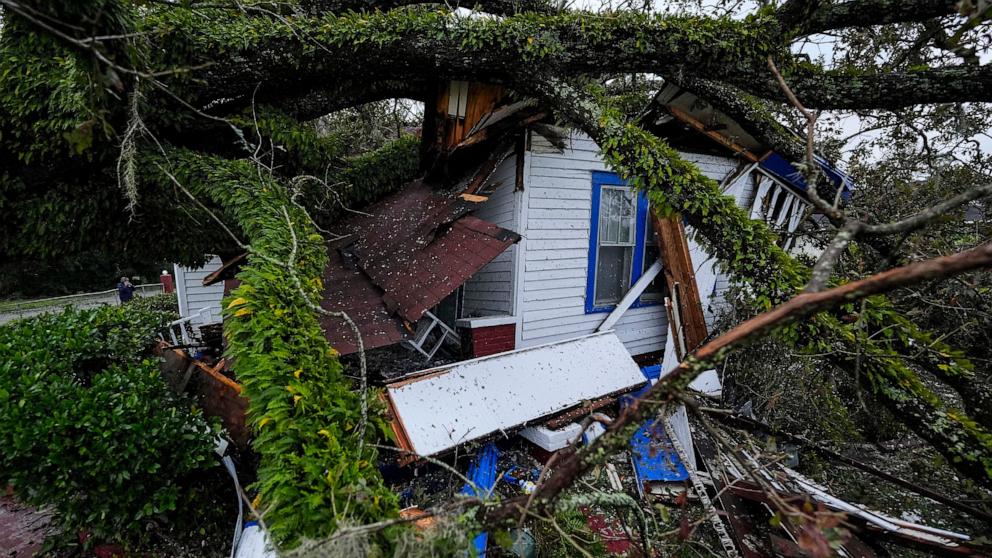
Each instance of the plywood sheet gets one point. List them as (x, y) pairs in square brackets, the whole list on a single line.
[(444, 407)]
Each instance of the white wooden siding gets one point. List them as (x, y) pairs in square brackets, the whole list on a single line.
[(559, 198), (490, 291), (193, 296), (553, 216)]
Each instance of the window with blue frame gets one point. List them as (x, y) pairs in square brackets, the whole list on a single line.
[(622, 245)]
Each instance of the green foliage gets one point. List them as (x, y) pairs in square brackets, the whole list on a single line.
[(552, 543), (307, 150), (372, 175), (626, 36), (313, 473), (87, 424), (747, 250), (164, 304)]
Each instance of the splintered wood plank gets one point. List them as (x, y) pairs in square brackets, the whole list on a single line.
[(681, 277)]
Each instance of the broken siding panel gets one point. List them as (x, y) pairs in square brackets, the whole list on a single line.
[(490, 291)]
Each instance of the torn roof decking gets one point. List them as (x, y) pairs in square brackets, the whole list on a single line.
[(401, 258), (440, 408), (685, 107)]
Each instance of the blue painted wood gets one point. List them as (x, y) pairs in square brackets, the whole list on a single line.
[(780, 167), (652, 455), (600, 179)]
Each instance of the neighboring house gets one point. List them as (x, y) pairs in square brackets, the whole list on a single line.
[(525, 237), (200, 302)]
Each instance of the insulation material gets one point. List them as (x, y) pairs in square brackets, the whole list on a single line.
[(441, 408)]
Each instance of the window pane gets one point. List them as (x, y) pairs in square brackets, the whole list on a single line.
[(628, 222), (612, 273), (617, 216), (609, 215)]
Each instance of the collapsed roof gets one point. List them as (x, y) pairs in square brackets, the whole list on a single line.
[(401, 257), (682, 107)]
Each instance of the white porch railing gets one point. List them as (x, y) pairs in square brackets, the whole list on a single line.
[(184, 326)]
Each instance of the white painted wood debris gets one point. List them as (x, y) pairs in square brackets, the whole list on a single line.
[(194, 298), (552, 440), (441, 408)]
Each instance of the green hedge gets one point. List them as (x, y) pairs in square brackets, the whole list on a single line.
[(87, 424)]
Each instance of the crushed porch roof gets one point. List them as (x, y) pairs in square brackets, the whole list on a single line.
[(401, 257)]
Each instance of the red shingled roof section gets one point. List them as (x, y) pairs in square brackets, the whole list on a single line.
[(412, 250), (431, 274), (350, 290)]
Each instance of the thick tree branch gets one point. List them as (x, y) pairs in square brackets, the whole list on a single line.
[(618, 434), (844, 90), (917, 221), (498, 7), (865, 13)]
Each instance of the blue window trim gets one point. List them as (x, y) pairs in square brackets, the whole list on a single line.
[(600, 179)]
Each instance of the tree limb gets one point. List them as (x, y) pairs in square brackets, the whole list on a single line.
[(866, 13), (617, 435)]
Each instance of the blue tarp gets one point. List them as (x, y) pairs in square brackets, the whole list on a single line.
[(482, 473), (783, 169), (652, 455)]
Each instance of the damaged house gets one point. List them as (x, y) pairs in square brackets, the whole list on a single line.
[(521, 238), (553, 293)]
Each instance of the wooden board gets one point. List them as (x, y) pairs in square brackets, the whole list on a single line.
[(680, 276), (442, 408)]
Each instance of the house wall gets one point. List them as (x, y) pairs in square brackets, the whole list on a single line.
[(542, 280), (193, 295), (558, 197), (742, 188), (490, 291)]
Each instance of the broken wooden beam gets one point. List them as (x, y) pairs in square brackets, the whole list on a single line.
[(680, 277), (723, 140)]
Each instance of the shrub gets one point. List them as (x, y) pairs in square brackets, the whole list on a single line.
[(165, 303), (88, 426)]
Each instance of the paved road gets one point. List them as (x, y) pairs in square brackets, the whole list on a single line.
[(90, 300), (22, 528)]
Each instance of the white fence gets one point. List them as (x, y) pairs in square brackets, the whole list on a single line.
[(27, 308)]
